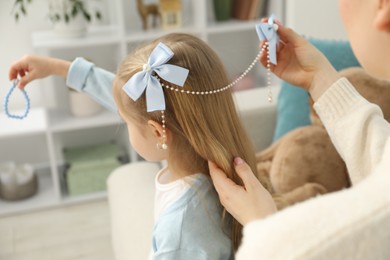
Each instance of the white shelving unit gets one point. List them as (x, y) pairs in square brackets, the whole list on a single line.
[(42, 136)]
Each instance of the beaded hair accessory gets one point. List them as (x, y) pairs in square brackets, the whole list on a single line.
[(146, 81), (6, 102), (267, 32), (149, 79)]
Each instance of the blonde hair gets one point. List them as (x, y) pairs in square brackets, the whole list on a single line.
[(203, 127)]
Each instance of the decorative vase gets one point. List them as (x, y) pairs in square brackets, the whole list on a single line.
[(81, 105), (17, 181), (222, 9)]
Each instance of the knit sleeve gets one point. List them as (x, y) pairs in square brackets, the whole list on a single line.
[(357, 128)]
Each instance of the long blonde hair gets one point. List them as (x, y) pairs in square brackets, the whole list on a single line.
[(203, 127)]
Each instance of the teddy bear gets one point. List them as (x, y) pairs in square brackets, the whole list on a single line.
[(304, 163)]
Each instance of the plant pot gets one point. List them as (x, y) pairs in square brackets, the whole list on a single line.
[(82, 105), (74, 28), (66, 22), (222, 9)]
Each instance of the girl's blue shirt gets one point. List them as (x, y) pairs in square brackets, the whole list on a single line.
[(192, 227)]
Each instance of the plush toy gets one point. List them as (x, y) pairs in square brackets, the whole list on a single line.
[(304, 163)]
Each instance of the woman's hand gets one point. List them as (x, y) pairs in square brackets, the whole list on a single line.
[(32, 67), (246, 203), (301, 64)]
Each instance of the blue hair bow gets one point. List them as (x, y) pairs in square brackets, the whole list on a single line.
[(142, 80), (268, 32)]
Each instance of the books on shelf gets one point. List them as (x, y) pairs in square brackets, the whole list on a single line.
[(247, 9)]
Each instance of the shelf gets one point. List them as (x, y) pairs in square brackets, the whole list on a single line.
[(96, 36), (45, 197), (151, 34), (62, 121), (231, 26), (34, 123)]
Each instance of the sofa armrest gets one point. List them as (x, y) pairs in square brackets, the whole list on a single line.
[(258, 115), (131, 196)]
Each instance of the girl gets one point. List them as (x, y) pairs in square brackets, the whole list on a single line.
[(194, 128)]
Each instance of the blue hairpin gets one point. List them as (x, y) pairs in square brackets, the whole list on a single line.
[(268, 32), (6, 101)]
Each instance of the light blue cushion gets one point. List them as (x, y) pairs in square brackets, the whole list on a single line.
[(293, 102)]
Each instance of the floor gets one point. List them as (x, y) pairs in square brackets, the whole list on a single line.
[(78, 232)]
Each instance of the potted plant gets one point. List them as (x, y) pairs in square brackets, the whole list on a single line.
[(69, 17)]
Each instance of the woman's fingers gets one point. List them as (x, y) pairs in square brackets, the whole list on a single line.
[(245, 172), (289, 36), (220, 180)]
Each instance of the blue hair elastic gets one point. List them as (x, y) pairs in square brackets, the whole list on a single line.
[(6, 101)]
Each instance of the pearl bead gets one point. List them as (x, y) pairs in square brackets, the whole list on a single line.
[(146, 67)]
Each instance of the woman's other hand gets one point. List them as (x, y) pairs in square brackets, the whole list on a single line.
[(245, 203), (301, 64)]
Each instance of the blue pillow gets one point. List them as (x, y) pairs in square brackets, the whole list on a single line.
[(293, 108)]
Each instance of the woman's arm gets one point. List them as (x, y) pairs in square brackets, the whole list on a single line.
[(357, 128)]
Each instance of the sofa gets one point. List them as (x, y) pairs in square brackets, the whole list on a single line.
[(131, 187)]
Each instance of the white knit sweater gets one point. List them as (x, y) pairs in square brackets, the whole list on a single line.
[(349, 224)]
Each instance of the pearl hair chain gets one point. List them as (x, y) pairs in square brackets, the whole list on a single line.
[(6, 102), (163, 145), (264, 48)]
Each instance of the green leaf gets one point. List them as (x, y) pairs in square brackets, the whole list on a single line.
[(23, 10), (66, 18), (17, 17), (74, 11), (98, 15), (87, 16)]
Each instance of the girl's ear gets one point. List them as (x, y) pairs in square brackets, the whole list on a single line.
[(382, 19), (156, 128)]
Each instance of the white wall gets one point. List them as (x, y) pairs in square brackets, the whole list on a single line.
[(15, 42), (315, 18)]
